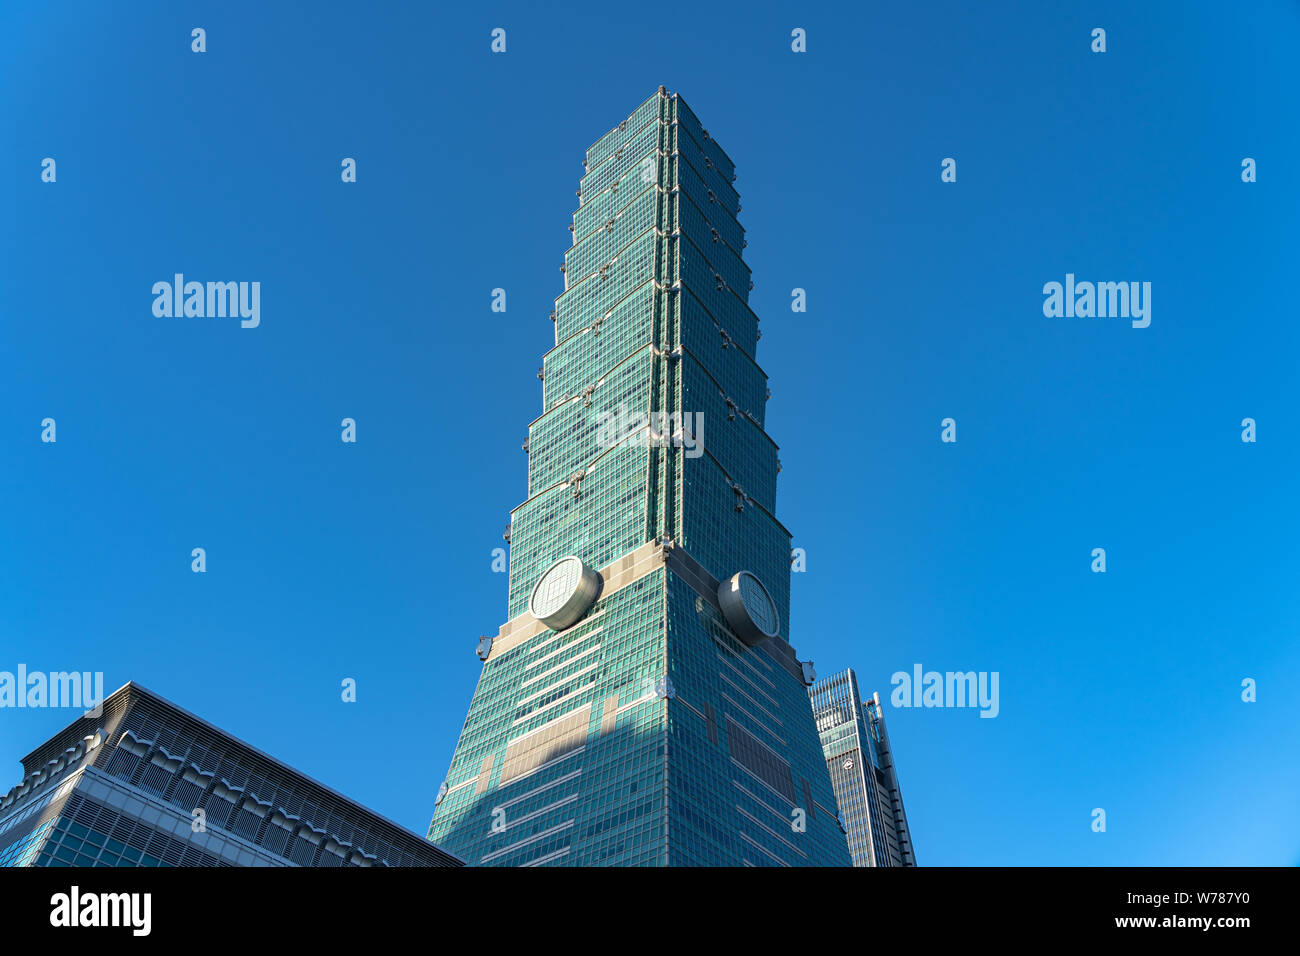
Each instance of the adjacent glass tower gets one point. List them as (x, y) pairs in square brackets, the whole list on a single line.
[(641, 704), (861, 767)]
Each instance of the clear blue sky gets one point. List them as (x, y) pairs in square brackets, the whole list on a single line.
[(373, 560)]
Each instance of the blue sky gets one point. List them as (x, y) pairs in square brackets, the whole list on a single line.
[(373, 561)]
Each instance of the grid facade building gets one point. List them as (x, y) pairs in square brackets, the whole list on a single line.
[(861, 767), (642, 705), (146, 783)]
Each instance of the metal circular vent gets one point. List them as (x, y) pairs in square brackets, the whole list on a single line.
[(563, 593), (749, 609)]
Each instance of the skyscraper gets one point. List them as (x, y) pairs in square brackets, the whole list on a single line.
[(861, 767), (641, 704), (145, 783)]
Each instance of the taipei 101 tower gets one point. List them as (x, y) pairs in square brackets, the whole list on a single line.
[(642, 705)]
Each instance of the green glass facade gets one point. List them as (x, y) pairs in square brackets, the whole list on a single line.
[(648, 732)]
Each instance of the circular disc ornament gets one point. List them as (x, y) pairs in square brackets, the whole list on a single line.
[(563, 593), (749, 609)]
